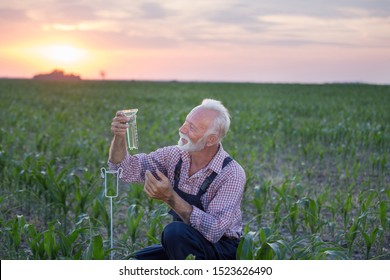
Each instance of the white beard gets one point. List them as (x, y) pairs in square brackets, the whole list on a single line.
[(190, 146)]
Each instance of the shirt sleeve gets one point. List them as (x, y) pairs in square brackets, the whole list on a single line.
[(223, 209), (135, 166)]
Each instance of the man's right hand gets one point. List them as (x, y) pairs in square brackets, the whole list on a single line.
[(118, 148), (120, 124)]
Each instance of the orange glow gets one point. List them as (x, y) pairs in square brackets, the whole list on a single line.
[(32, 58), (64, 54), (154, 41)]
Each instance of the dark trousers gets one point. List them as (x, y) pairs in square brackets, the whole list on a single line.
[(179, 240)]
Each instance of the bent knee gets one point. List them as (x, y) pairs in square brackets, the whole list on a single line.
[(176, 232)]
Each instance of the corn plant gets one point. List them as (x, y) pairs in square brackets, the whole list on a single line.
[(316, 159), (134, 216)]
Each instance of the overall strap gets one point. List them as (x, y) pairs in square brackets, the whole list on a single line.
[(207, 182), (177, 173), (193, 199)]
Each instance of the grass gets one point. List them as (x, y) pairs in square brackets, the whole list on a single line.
[(316, 159)]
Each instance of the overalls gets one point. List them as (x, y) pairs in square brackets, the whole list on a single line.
[(190, 238)]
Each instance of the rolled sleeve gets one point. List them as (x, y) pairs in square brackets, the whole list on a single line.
[(131, 168), (196, 217), (135, 166)]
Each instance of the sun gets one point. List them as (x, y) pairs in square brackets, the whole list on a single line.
[(62, 53)]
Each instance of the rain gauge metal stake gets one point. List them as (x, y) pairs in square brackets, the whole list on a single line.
[(111, 186)]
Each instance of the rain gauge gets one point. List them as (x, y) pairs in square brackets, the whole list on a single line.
[(112, 177)]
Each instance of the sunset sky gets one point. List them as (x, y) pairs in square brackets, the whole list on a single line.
[(305, 41)]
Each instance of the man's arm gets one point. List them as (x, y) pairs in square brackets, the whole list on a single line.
[(162, 189), (118, 149)]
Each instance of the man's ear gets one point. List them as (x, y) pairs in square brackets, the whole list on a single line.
[(212, 139)]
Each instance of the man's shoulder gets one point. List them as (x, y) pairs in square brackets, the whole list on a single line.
[(233, 176), (237, 167), (233, 163), (233, 169)]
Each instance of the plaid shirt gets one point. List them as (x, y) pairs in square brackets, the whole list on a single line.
[(222, 215)]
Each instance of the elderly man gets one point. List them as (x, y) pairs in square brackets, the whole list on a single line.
[(197, 179)]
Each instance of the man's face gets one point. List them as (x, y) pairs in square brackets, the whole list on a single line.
[(193, 133)]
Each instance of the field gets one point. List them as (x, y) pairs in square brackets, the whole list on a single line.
[(316, 159)]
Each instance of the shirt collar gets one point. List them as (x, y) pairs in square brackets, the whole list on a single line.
[(216, 163)]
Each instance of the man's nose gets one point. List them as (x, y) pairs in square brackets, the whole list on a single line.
[(183, 129)]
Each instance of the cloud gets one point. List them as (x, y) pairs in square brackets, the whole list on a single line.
[(62, 12), (322, 8), (12, 15), (348, 32), (153, 10), (168, 24)]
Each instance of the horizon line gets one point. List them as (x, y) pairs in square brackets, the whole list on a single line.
[(202, 81)]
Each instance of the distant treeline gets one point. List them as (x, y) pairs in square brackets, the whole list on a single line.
[(57, 75)]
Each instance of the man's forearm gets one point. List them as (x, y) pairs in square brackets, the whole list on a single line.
[(118, 149), (181, 207)]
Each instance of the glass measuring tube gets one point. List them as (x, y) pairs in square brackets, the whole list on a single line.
[(111, 181), (132, 133)]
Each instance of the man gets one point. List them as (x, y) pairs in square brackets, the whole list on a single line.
[(197, 179)]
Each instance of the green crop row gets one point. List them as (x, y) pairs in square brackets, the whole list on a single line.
[(316, 159)]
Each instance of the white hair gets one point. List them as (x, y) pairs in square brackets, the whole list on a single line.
[(220, 125)]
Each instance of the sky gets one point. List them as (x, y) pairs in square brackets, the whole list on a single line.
[(278, 41)]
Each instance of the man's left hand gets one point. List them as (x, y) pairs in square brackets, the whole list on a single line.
[(160, 189)]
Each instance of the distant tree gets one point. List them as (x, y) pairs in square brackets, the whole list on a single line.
[(102, 74), (57, 75)]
